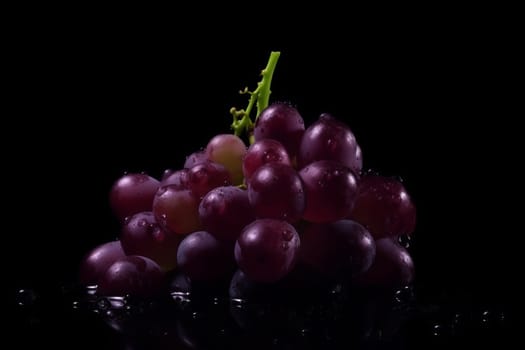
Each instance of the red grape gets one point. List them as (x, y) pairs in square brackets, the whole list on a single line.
[(97, 261), (228, 150), (195, 158), (283, 123), (204, 258), (132, 193), (392, 266), (337, 248), (225, 211), (263, 152), (267, 250), (132, 275), (330, 189), (384, 207), (328, 139), (142, 235), (176, 210), (178, 178), (276, 192), (206, 176)]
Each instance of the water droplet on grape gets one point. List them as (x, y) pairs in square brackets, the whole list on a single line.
[(142, 223), (110, 314), (285, 245), (126, 220), (161, 190), (159, 235), (287, 235)]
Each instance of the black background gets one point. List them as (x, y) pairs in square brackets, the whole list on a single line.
[(433, 104)]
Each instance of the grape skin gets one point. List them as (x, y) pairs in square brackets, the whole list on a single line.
[(263, 152), (132, 275), (276, 192), (283, 123), (392, 267), (142, 235), (225, 211), (342, 248), (267, 250), (97, 261), (330, 190), (384, 207), (329, 139), (228, 150), (176, 210), (202, 257), (132, 193)]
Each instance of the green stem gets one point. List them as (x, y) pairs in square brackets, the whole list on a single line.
[(261, 96), (264, 86)]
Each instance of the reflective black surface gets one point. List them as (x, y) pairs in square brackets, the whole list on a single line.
[(90, 101)]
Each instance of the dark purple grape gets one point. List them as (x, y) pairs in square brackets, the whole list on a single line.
[(384, 207), (228, 150), (132, 275), (392, 266), (97, 261), (202, 257), (330, 189), (243, 288), (263, 152), (176, 210), (204, 177), (142, 235), (283, 123), (132, 193), (179, 178), (195, 158), (225, 211), (328, 139), (337, 249), (276, 192), (267, 250)]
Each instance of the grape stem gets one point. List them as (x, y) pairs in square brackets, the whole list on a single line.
[(260, 96)]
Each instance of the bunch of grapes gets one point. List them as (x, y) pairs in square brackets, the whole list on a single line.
[(293, 208)]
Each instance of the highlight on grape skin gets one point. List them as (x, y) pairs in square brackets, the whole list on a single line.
[(276, 207)]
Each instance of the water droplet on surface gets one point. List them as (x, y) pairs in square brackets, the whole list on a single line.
[(26, 297), (405, 241), (126, 220), (103, 304), (404, 295), (485, 317), (437, 330), (76, 305)]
